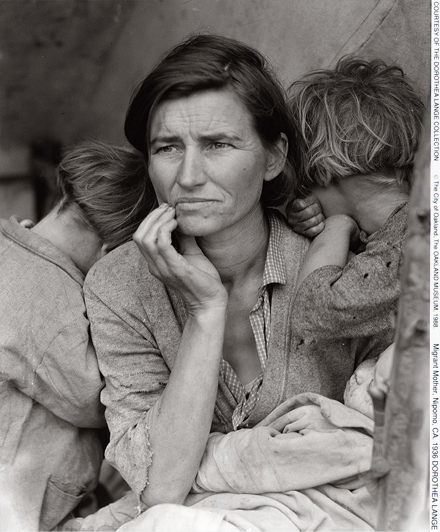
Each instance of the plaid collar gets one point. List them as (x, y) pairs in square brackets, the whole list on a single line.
[(274, 267)]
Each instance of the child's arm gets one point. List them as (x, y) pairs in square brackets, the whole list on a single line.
[(331, 247), (356, 300)]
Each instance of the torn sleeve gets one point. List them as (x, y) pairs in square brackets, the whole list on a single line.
[(358, 300), (135, 376)]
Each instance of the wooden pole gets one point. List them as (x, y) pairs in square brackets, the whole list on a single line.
[(403, 492)]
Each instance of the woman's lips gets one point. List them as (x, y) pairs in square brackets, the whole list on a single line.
[(193, 204)]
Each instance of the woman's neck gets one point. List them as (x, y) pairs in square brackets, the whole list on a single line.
[(241, 251)]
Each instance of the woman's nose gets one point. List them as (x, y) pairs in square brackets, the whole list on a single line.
[(191, 171)]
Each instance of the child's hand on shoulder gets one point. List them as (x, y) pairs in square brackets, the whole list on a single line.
[(305, 216)]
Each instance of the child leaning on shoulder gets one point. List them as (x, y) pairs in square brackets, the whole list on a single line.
[(361, 124)]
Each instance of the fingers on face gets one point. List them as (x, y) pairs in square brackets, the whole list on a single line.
[(153, 238), (156, 222)]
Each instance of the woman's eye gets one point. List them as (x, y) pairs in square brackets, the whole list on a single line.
[(220, 145), (166, 149)]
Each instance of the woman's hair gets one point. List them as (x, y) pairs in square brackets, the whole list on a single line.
[(108, 189), (206, 62), (363, 117)]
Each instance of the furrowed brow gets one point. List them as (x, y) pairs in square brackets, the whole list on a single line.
[(221, 135), (164, 139)]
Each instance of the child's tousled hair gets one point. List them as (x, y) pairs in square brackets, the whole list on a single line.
[(108, 189), (363, 117)]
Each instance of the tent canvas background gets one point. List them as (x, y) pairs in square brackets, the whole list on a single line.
[(68, 68)]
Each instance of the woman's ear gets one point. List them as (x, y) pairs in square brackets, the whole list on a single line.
[(277, 158)]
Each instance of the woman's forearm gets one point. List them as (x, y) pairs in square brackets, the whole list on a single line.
[(181, 419)]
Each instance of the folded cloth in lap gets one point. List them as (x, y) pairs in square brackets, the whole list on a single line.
[(308, 441), (304, 467)]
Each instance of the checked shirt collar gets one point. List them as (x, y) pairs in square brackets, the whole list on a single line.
[(274, 272)]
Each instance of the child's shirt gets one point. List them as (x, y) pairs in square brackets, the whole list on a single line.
[(50, 451), (360, 299)]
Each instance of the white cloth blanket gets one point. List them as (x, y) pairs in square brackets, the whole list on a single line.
[(302, 468)]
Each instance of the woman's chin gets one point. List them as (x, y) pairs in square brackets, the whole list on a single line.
[(194, 226)]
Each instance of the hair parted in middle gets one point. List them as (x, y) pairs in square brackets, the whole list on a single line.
[(108, 189), (205, 62), (362, 117)]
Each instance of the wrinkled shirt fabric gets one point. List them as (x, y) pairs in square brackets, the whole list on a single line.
[(360, 299), (50, 452)]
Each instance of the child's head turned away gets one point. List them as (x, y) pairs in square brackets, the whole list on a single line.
[(374, 371), (362, 117)]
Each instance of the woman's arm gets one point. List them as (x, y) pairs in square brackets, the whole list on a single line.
[(159, 421), (145, 440), (181, 419), (305, 446), (135, 372)]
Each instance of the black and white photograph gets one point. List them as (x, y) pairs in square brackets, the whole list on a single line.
[(219, 265)]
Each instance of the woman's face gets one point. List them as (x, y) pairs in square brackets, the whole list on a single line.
[(207, 161)]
